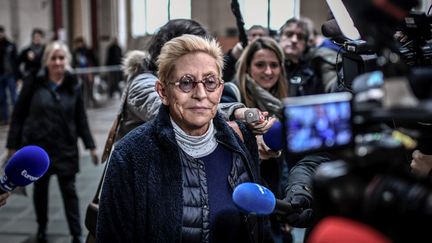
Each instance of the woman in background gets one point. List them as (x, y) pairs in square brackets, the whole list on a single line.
[(50, 113)]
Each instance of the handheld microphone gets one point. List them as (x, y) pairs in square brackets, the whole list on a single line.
[(337, 230), (273, 138), (254, 198), (27, 165)]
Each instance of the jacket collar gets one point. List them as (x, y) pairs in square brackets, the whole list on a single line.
[(224, 133)]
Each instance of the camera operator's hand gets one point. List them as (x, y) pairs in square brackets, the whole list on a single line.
[(421, 164), (300, 198)]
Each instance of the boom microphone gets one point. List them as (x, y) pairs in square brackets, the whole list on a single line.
[(26, 166), (331, 30), (254, 198)]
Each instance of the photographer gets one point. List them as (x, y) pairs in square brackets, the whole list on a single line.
[(371, 184)]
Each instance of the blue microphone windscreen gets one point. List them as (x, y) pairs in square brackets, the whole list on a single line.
[(27, 165), (254, 198), (273, 138)]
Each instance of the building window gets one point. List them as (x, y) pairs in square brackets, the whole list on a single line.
[(149, 15), (255, 12)]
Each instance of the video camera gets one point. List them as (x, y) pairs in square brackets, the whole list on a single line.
[(369, 179), (372, 131), (417, 48), (369, 28)]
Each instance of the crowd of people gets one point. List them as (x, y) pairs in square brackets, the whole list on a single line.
[(18, 66), (182, 129)]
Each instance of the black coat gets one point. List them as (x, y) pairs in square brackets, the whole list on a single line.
[(52, 120), (114, 55), (142, 195)]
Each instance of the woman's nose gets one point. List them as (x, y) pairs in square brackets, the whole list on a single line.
[(268, 69), (199, 91)]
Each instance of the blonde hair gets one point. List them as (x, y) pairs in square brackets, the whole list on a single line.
[(280, 90), (185, 44), (51, 48)]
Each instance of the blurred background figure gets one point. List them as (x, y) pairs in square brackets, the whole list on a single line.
[(30, 58), (233, 54), (114, 58), (8, 74), (50, 113), (301, 75), (83, 57), (322, 54)]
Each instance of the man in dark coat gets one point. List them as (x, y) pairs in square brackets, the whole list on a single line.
[(30, 57), (8, 72), (114, 58)]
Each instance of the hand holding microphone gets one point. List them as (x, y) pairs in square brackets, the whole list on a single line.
[(257, 121), (300, 198), (270, 144), (26, 166), (254, 198)]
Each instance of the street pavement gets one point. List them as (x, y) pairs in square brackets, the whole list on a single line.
[(17, 217)]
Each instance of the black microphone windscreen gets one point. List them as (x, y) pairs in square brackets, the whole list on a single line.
[(331, 29)]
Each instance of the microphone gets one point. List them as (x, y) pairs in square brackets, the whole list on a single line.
[(27, 165), (331, 30), (339, 230), (343, 24), (254, 198), (273, 138)]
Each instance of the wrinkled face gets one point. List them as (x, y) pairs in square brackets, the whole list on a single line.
[(265, 68), (293, 42), (56, 63), (192, 111)]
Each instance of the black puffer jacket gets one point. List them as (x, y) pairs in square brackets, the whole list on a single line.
[(53, 120)]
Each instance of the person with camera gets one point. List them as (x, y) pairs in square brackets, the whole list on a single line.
[(260, 83)]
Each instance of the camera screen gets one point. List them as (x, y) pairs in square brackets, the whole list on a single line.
[(318, 122)]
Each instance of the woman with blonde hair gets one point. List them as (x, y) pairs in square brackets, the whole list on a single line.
[(50, 113), (171, 179)]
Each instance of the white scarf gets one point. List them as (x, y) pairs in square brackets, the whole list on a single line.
[(196, 146)]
